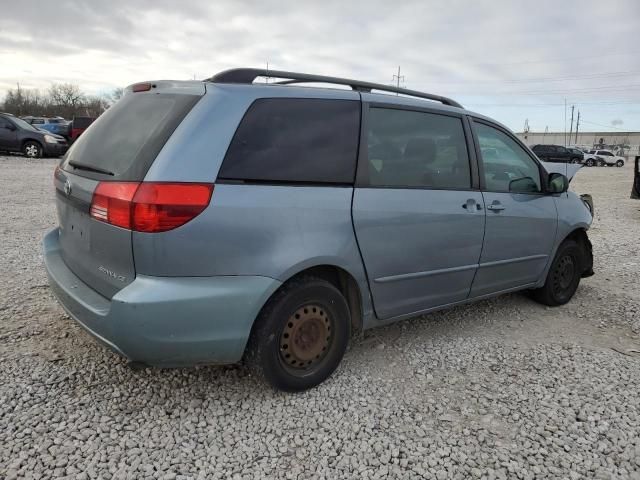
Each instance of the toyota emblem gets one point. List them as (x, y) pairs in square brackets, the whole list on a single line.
[(67, 187)]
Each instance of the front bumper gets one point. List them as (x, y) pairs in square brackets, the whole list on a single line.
[(164, 321), (55, 149)]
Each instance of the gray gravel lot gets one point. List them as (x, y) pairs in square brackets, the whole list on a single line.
[(504, 388)]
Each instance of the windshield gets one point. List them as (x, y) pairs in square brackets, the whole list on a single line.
[(23, 125)]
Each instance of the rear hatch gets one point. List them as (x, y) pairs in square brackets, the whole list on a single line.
[(116, 150)]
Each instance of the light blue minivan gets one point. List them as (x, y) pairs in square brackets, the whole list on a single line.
[(205, 222)]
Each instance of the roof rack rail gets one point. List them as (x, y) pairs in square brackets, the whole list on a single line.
[(248, 75)]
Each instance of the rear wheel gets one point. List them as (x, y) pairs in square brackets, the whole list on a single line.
[(32, 149), (619, 163), (601, 163), (589, 162), (301, 335), (563, 277)]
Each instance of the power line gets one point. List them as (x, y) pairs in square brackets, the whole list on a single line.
[(555, 104), (607, 126), (556, 60), (591, 76), (607, 88)]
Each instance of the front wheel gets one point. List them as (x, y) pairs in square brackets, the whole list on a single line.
[(601, 163), (563, 277), (300, 335), (32, 149), (589, 162), (619, 163)]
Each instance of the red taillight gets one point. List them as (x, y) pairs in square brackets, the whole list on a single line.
[(112, 202), (141, 87), (149, 206)]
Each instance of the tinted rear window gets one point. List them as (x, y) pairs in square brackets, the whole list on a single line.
[(127, 137), (82, 122), (295, 140)]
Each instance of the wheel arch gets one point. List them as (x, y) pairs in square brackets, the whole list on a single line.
[(339, 277), (577, 233), (29, 139), (345, 282)]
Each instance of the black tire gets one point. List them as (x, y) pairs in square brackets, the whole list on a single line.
[(619, 163), (563, 277), (32, 149), (601, 163), (589, 162), (288, 347)]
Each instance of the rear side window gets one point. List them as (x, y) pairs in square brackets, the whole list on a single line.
[(295, 140), (417, 149), (125, 140)]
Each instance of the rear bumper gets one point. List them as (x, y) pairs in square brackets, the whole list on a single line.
[(164, 321)]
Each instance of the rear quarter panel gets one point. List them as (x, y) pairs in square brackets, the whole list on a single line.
[(268, 230)]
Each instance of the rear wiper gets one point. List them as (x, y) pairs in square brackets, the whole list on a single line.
[(89, 168)]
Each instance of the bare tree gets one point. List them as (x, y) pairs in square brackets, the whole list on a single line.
[(65, 100)]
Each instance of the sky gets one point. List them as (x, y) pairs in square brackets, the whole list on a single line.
[(512, 60)]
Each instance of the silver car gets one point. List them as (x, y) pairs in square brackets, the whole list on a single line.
[(209, 222)]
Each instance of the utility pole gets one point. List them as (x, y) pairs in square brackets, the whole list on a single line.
[(571, 127), (577, 125), (266, 79), (565, 122), (546, 130), (397, 78)]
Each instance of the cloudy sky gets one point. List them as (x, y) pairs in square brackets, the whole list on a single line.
[(511, 60)]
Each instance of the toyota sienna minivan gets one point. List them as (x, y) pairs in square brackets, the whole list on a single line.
[(206, 222)]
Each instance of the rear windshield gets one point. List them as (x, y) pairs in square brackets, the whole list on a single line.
[(125, 140)]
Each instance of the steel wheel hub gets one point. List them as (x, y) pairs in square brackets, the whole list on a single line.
[(564, 273), (32, 151), (306, 337)]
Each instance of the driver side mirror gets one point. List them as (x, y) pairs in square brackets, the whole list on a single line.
[(558, 183)]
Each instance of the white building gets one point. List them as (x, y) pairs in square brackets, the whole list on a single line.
[(609, 140)]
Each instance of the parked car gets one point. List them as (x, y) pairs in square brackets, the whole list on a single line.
[(593, 160), (79, 125), (270, 221), (56, 125), (577, 155), (608, 158), (557, 153), (635, 188), (16, 135)]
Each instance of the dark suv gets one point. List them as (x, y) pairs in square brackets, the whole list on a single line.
[(557, 153), (16, 135)]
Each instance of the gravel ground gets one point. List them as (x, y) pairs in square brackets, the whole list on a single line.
[(504, 388)]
